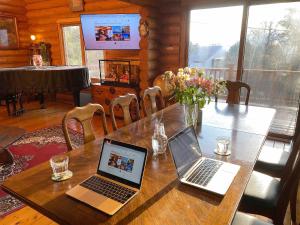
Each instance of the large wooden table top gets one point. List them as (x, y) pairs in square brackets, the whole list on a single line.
[(162, 200)]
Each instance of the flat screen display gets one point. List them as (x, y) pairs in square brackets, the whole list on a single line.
[(111, 31), (122, 162)]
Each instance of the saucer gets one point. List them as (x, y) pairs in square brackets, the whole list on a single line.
[(68, 174), (224, 154)]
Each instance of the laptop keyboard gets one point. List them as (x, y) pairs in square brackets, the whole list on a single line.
[(204, 172), (108, 189)]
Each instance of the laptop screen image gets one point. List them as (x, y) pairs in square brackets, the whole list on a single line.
[(185, 150), (122, 162)]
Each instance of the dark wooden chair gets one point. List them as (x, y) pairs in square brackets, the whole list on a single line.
[(234, 88), (150, 95), (269, 196), (273, 161), (124, 102), (84, 116), (245, 219)]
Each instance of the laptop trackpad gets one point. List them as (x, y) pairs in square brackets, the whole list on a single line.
[(223, 178), (94, 199)]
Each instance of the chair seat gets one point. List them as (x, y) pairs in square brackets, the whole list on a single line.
[(261, 194), (272, 161), (245, 219)]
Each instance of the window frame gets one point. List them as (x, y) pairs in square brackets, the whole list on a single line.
[(184, 42), (65, 23)]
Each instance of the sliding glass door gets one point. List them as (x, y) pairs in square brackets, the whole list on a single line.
[(270, 53), (214, 40), (272, 61)]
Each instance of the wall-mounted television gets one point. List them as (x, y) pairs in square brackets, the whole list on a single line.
[(110, 31)]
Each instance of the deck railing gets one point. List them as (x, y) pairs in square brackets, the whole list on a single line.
[(272, 88), (278, 89)]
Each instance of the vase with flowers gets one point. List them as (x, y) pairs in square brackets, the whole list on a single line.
[(193, 89)]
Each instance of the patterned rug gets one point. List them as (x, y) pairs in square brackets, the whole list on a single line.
[(32, 149)]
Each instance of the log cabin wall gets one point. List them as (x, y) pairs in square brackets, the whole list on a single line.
[(43, 16), (17, 57), (150, 47), (170, 35)]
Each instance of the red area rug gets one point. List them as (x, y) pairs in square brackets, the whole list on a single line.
[(31, 150)]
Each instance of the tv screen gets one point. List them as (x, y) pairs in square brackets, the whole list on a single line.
[(111, 31)]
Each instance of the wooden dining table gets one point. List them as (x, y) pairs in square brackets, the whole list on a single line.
[(162, 199)]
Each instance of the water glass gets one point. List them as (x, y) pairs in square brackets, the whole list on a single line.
[(159, 139), (223, 144), (59, 165)]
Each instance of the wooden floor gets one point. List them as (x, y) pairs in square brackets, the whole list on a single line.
[(34, 119)]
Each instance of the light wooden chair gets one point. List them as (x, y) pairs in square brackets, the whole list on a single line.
[(150, 94), (84, 116), (233, 88), (124, 101)]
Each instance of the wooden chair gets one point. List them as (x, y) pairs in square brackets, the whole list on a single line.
[(269, 196), (234, 88), (124, 102), (151, 94), (274, 161), (84, 116)]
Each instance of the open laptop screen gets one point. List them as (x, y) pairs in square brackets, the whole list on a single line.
[(185, 150), (123, 161)]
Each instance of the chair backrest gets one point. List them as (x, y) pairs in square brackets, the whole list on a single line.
[(234, 88), (151, 94), (289, 183), (84, 116), (124, 101)]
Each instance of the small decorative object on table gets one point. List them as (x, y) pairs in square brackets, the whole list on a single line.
[(59, 164), (37, 60), (193, 89), (159, 139)]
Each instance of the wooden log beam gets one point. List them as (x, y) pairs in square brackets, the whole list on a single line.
[(152, 3)]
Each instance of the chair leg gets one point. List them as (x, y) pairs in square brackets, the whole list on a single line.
[(7, 106), (14, 102), (293, 203)]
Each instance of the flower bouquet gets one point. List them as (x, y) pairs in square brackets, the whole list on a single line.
[(193, 89)]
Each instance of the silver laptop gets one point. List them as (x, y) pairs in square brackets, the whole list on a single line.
[(196, 170), (118, 179)]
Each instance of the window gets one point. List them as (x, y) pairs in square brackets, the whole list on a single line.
[(92, 62), (269, 55), (72, 45), (214, 37)]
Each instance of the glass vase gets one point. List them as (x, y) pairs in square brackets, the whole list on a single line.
[(191, 114), (159, 139)]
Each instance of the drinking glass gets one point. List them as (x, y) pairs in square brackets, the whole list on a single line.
[(59, 165), (159, 139), (223, 144)]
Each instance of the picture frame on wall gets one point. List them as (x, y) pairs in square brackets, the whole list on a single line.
[(9, 38), (76, 5)]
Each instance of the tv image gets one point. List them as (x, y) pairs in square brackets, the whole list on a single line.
[(111, 31)]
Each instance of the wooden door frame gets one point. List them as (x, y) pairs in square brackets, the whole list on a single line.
[(69, 22)]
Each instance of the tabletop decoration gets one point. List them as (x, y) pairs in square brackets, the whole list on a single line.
[(193, 89)]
